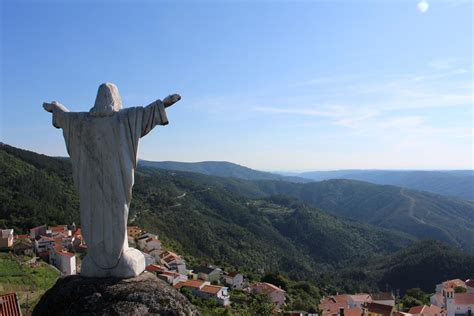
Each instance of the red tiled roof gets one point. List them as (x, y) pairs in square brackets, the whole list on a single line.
[(170, 258), (9, 305), (356, 311), (361, 297), (382, 296), (153, 268), (416, 309), (211, 289), (168, 253), (453, 283), (46, 238), (424, 309), (190, 283), (61, 251), (25, 236), (464, 298), (381, 309), (266, 287), (57, 228), (170, 273)]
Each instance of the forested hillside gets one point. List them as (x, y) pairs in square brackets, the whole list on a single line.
[(246, 225), (422, 215), (458, 183), (220, 169)]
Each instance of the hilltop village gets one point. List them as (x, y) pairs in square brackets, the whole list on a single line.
[(63, 247)]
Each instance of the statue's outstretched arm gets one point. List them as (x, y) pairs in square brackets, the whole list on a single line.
[(171, 99), (50, 107)]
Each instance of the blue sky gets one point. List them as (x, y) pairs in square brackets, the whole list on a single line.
[(273, 85)]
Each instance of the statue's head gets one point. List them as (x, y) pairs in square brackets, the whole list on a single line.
[(108, 100)]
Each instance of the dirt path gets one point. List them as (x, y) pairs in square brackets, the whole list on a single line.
[(411, 213), (411, 207)]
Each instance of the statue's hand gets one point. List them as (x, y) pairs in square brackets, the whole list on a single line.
[(54, 105), (171, 99)]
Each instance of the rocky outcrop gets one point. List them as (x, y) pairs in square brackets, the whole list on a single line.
[(142, 295)]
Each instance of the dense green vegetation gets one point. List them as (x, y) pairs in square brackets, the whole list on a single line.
[(414, 297), (251, 227), (423, 264), (35, 189), (421, 215)]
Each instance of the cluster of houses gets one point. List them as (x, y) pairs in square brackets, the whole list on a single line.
[(203, 281), (58, 245), (452, 298), (54, 244)]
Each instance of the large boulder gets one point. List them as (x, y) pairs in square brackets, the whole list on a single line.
[(142, 295)]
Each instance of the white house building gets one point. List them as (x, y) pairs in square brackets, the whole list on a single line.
[(234, 279), (38, 231), (385, 298), (359, 300), (173, 262), (461, 304), (44, 243), (63, 260), (276, 294), (221, 293), (172, 277), (204, 289), (6, 238)]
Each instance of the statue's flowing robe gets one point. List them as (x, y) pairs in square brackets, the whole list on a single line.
[(103, 153)]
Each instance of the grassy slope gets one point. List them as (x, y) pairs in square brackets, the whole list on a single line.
[(29, 282)]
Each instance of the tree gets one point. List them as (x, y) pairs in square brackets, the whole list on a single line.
[(460, 289), (276, 279), (414, 297), (261, 305)]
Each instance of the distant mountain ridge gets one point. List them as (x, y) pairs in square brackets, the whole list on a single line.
[(458, 183), (220, 169)]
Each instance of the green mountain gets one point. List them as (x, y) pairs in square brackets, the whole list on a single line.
[(420, 214), (220, 169), (457, 183), (423, 264), (209, 223), (235, 223)]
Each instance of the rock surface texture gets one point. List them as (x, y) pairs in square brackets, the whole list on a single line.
[(142, 295)]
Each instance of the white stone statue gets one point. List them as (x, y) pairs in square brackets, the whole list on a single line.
[(103, 146)]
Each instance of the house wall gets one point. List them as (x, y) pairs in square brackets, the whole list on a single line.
[(386, 302), (238, 281), (6, 242), (453, 309), (277, 297)]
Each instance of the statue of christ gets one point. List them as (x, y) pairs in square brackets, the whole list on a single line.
[(103, 146)]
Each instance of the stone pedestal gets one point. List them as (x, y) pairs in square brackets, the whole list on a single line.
[(130, 265), (142, 295)]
